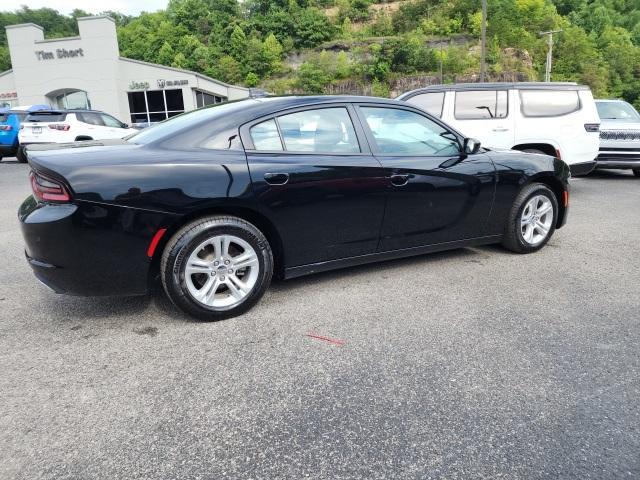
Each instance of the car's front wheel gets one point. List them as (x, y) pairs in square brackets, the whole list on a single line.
[(636, 172), (532, 219), (217, 267)]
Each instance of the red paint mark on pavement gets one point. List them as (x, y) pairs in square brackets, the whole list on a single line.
[(335, 341)]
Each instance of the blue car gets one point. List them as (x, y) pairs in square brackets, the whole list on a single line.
[(10, 120)]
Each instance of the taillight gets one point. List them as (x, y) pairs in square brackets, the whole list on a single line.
[(5, 128), (592, 127), (48, 190), (59, 126)]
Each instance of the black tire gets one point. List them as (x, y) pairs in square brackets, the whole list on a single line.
[(187, 239), (636, 172), (21, 155), (513, 238)]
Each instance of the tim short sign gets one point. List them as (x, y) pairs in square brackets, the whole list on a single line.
[(9, 95), (60, 53)]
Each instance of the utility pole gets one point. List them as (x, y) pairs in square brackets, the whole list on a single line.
[(547, 70), (441, 72), (483, 42)]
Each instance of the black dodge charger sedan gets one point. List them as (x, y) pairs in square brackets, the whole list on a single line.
[(217, 201)]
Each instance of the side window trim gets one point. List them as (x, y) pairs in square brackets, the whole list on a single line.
[(372, 142), (507, 112), (249, 147)]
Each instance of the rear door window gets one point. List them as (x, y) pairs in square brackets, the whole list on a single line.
[(481, 104), (429, 102), (323, 130), (549, 103)]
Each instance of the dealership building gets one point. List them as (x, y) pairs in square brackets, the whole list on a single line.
[(87, 71)]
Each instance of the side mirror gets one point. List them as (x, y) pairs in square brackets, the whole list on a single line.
[(471, 146), (125, 125)]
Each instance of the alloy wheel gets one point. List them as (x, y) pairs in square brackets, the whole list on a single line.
[(536, 219), (222, 271)]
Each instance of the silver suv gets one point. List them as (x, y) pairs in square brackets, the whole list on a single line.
[(619, 136)]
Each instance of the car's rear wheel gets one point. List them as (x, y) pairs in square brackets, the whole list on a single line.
[(636, 172), (217, 267), (21, 155), (532, 219)]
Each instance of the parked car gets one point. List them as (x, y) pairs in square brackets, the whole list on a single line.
[(10, 120), (217, 201), (558, 119), (62, 126), (619, 136)]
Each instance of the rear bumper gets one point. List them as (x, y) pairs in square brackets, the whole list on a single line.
[(583, 168), (89, 249)]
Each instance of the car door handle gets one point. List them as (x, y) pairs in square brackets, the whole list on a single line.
[(276, 178), (399, 179), (500, 129)]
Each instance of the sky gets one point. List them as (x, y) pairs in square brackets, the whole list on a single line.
[(129, 7)]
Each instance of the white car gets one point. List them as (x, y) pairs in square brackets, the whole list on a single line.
[(63, 126), (558, 119), (619, 136)]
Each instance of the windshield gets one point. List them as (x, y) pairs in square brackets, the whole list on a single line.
[(616, 111), (180, 122)]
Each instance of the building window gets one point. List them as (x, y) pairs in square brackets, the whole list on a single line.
[(151, 106), (72, 99), (203, 99)]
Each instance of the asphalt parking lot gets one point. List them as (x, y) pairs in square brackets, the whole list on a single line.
[(476, 363)]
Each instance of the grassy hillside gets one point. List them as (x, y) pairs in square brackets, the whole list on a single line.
[(357, 46)]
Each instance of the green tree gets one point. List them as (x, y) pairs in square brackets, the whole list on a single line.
[(272, 53), (238, 43)]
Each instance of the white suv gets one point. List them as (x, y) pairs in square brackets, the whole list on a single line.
[(619, 135), (62, 126), (558, 119)]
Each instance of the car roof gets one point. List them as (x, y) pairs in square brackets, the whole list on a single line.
[(496, 85), (249, 109)]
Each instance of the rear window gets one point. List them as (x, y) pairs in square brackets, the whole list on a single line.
[(481, 104), (4, 117), (46, 117), (429, 102), (549, 103)]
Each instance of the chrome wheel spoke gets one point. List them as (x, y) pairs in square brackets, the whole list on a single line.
[(234, 290), (544, 209), (247, 259), (528, 233), (542, 228), (217, 247), (198, 266)]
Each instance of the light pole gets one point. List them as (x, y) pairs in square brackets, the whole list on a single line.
[(483, 42), (547, 70)]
